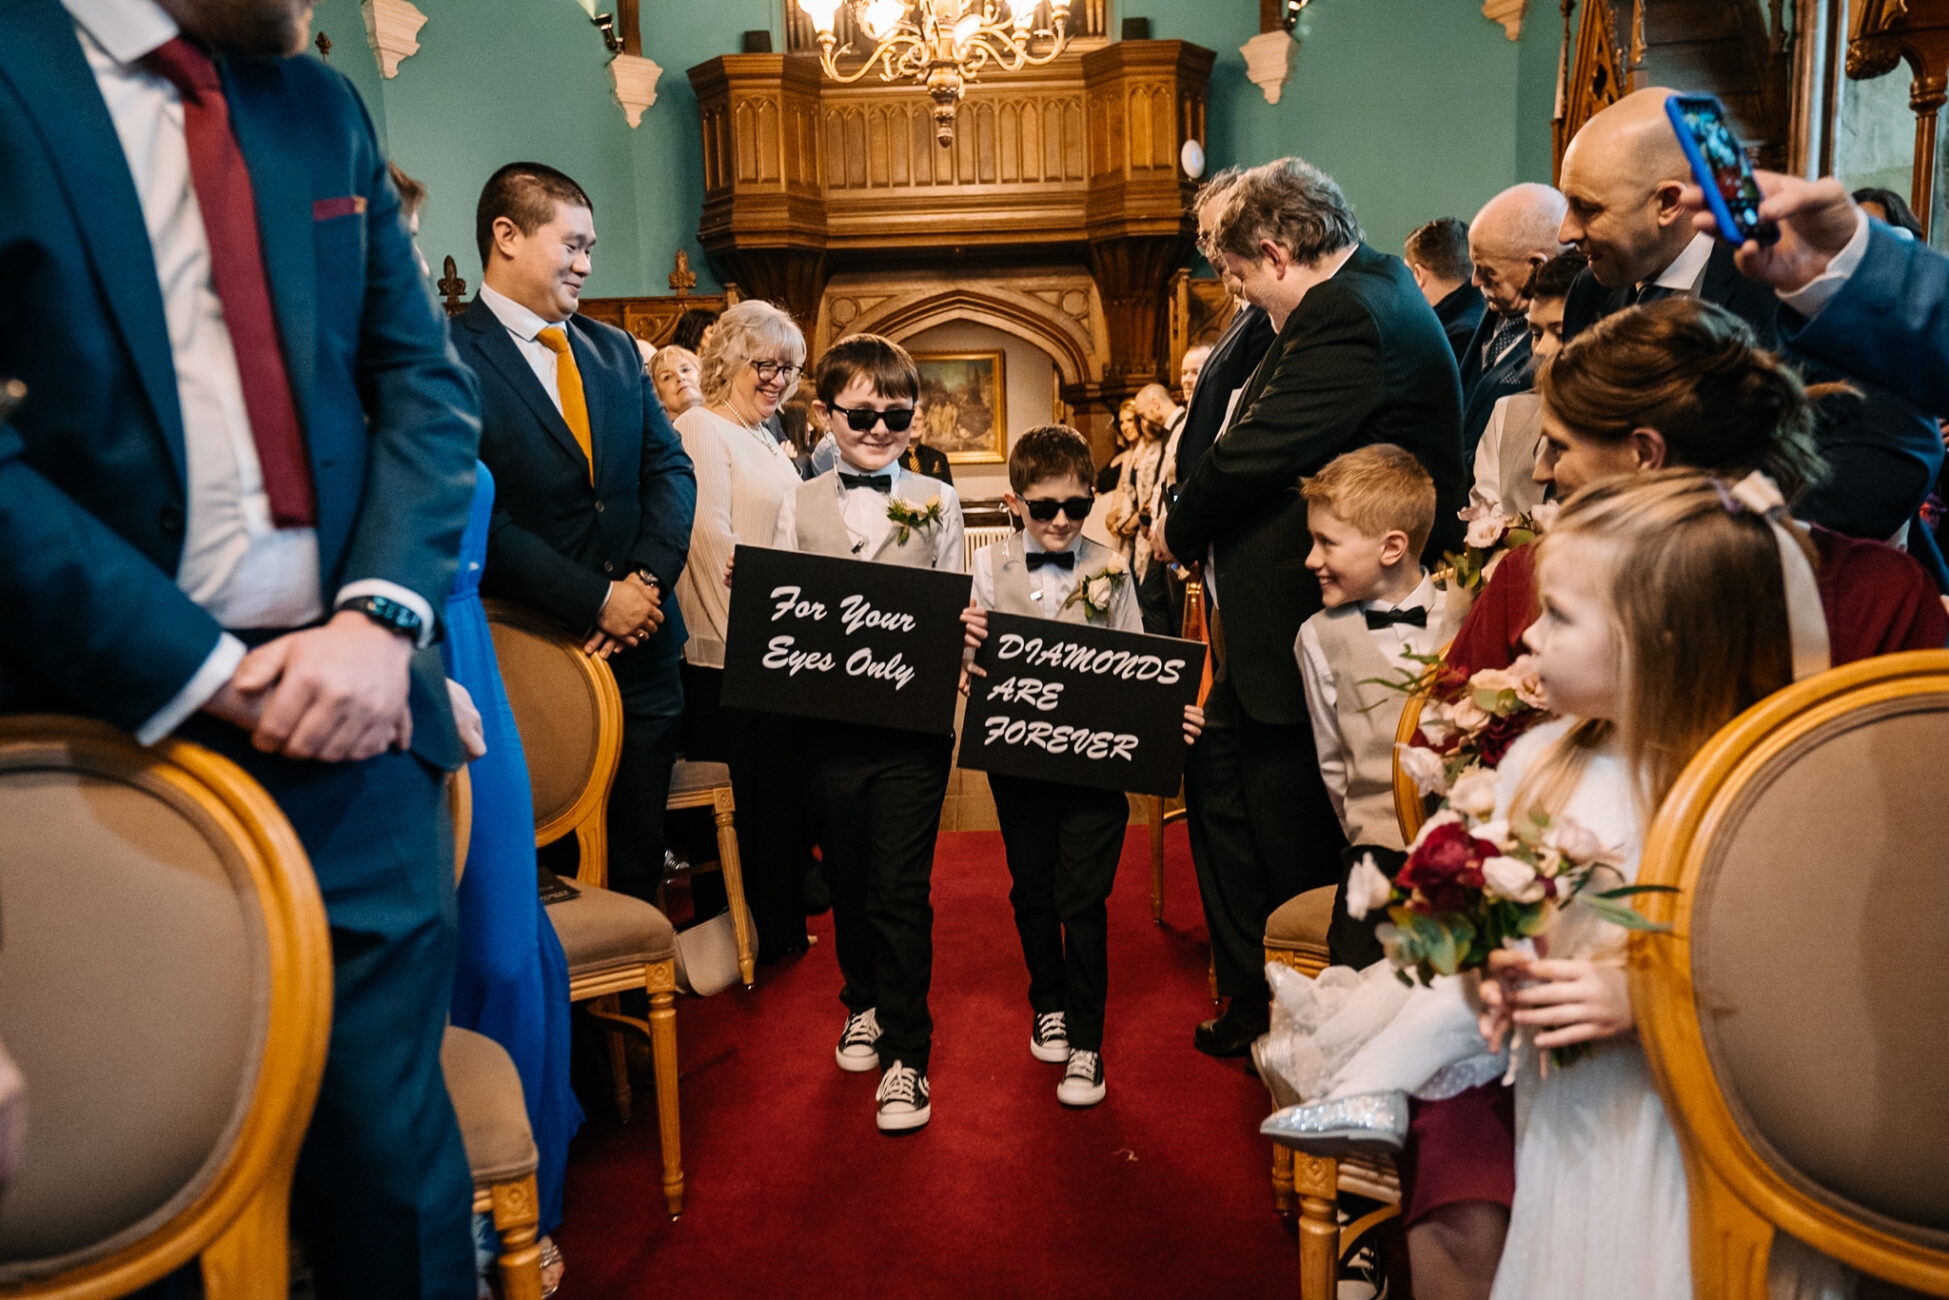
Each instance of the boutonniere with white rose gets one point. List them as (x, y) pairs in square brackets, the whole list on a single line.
[(909, 518), (1096, 590), (1490, 536)]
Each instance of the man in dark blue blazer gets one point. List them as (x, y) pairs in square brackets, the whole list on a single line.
[(592, 521), (1882, 455), (1513, 234), (1359, 359), (230, 510)]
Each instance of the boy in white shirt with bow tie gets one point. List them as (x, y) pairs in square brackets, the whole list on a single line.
[(1370, 513), (879, 790)]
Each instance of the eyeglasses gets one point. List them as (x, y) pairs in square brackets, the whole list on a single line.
[(772, 370), (861, 419), (1043, 509)]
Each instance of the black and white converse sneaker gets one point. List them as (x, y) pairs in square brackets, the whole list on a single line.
[(1082, 1082), (1049, 1037), (902, 1099), (859, 1042)]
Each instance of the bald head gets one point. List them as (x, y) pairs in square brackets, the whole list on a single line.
[(1155, 407), (1622, 175), (1513, 234)]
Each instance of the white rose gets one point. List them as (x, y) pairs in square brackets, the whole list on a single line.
[(1511, 878), (1493, 679), (1424, 767), (1496, 832), (1115, 564), (1575, 842), (1466, 714), (1486, 532), (1098, 591), (1367, 888), (1474, 793)]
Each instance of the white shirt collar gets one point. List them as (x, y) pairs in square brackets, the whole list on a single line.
[(1031, 545), (891, 469), (1422, 597), (1688, 266), (125, 29), (520, 322)]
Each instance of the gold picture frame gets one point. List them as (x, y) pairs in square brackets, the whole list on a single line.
[(964, 405)]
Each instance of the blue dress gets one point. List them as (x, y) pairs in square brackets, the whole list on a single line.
[(512, 984)]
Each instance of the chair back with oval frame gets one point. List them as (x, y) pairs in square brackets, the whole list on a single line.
[(1794, 1014), (167, 991)]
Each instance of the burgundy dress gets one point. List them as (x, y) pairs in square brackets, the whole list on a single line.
[(1877, 600)]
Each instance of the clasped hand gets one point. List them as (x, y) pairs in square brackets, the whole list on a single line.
[(1565, 1001), (335, 693), (633, 612)]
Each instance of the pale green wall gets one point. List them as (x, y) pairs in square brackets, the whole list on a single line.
[(1420, 108)]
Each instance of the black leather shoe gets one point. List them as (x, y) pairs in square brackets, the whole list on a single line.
[(1232, 1033)]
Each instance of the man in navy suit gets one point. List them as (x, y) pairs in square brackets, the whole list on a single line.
[(592, 521), (1624, 175), (230, 509), (1513, 234)]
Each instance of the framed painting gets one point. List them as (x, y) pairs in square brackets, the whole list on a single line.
[(964, 405)]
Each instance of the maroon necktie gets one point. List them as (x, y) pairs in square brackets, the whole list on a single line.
[(229, 206)]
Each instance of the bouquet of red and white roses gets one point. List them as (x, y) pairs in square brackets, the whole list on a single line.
[(1471, 885), (1490, 534), (1470, 720)]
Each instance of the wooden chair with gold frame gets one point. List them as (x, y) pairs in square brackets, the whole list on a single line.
[(570, 717), (1296, 937), (708, 785), (1793, 1015), (1155, 813), (168, 999), (493, 1112)]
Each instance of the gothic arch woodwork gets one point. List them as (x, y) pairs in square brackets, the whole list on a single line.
[(1056, 319)]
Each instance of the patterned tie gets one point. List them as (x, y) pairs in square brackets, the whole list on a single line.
[(1509, 331), (229, 207), (568, 382)]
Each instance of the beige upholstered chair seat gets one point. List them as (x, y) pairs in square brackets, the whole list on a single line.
[(487, 1098), (140, 1032), (603, 929), (692, 778), (1298, 929)]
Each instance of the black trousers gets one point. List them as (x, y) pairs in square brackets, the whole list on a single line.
[(652, 714), (1262, 830), (768, 779), (1160, 600), (1063, 842), (879, 794)]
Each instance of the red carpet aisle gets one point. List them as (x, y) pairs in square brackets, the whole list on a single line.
[(1160, 1191)]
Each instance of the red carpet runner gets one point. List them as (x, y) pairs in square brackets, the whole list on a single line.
[(1162, 1190)]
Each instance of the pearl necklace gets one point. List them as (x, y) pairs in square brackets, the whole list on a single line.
[(757, 431)]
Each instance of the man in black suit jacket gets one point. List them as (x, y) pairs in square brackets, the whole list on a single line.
[(597, 548), (1882, 456), (1361, 360), (1437, 255), (1513, 234)]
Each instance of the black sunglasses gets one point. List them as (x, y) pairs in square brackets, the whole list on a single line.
[(861, 419), (1043, 509)]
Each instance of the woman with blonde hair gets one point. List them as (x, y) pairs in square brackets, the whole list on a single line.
[(750, 365)]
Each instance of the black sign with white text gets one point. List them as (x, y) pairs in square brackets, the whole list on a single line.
[(1082, 705), (844, 640)]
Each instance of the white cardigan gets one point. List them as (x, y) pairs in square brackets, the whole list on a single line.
[(742, 477)]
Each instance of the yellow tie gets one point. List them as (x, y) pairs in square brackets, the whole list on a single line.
[(568, 383)]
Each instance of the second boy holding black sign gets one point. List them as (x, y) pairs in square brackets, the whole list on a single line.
[(879, 789), (1063, 841)]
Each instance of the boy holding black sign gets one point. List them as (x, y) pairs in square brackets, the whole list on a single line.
[(1063, 841), (1370, 513), (880, 789)]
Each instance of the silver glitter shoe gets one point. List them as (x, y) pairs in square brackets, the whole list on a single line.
[(1372, 1123)]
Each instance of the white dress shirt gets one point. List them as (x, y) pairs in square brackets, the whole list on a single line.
[(1687, 270), (236, 564), (1050, 584), (743, 477), (864, 511), (1812, 296), (1323, 699), (524, 327)]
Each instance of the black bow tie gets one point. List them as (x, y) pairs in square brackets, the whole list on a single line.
[(1061, 559), (1379, 618), (878, 482)]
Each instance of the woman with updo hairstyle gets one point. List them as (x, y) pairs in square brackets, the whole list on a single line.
[(752, 362), (1682, 383)]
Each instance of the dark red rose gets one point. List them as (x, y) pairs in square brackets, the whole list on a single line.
[(1446, 867)]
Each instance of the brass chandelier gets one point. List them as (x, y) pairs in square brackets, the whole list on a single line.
[(942, 43)]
